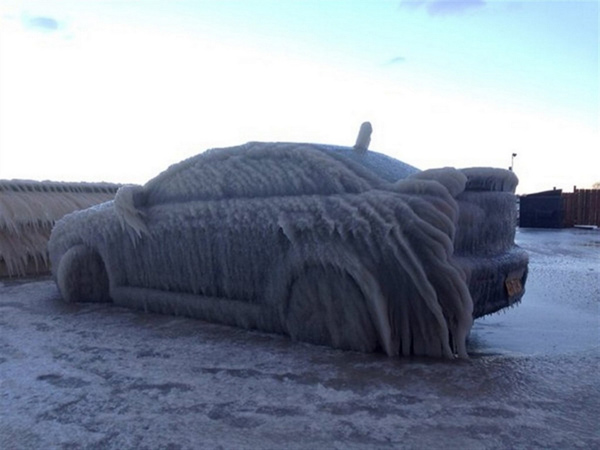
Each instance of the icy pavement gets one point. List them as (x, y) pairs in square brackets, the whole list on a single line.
[(98, 376)]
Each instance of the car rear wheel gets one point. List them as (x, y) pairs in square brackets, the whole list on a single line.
[(326, 306), (82, 276)]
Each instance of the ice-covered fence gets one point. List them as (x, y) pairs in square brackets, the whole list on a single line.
[(28, 211)]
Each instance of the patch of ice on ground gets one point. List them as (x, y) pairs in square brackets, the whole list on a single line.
[(95, 375)]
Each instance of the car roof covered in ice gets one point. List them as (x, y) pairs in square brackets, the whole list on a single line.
[(384, 166), (269, 169)]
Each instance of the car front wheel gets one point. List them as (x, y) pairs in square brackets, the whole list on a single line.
[(82, 276)]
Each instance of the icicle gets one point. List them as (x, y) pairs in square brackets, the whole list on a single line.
[(127, 212)]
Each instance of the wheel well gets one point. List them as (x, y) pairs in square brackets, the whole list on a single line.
[(337, 306), (82, 276)]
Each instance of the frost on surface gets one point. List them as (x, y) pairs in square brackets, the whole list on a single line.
[(317, 242), (131, 218), (488, 211), (273, 169), (484, 245), (490, 179)]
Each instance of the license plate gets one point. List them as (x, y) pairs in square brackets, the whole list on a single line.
[(513, 286)]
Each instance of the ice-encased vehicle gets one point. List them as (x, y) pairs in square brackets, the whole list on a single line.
[(329, 245)]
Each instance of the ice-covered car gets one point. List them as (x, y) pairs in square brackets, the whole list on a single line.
[(329, 245)]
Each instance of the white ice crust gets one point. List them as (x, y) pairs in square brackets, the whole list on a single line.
[(290, 238)]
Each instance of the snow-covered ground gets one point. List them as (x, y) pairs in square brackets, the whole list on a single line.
[(98, 376)]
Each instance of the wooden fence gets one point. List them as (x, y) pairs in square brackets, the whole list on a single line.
[(581, 207)]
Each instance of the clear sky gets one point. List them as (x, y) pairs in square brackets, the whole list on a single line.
[(118, 91)]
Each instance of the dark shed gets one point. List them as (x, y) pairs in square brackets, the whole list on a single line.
[(541, 210)]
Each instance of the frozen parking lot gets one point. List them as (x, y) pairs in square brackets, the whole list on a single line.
[(98, 376)]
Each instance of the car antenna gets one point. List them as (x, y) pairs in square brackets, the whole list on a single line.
[(364, 137)]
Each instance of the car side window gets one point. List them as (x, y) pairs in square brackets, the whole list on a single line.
[(262, 172)]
